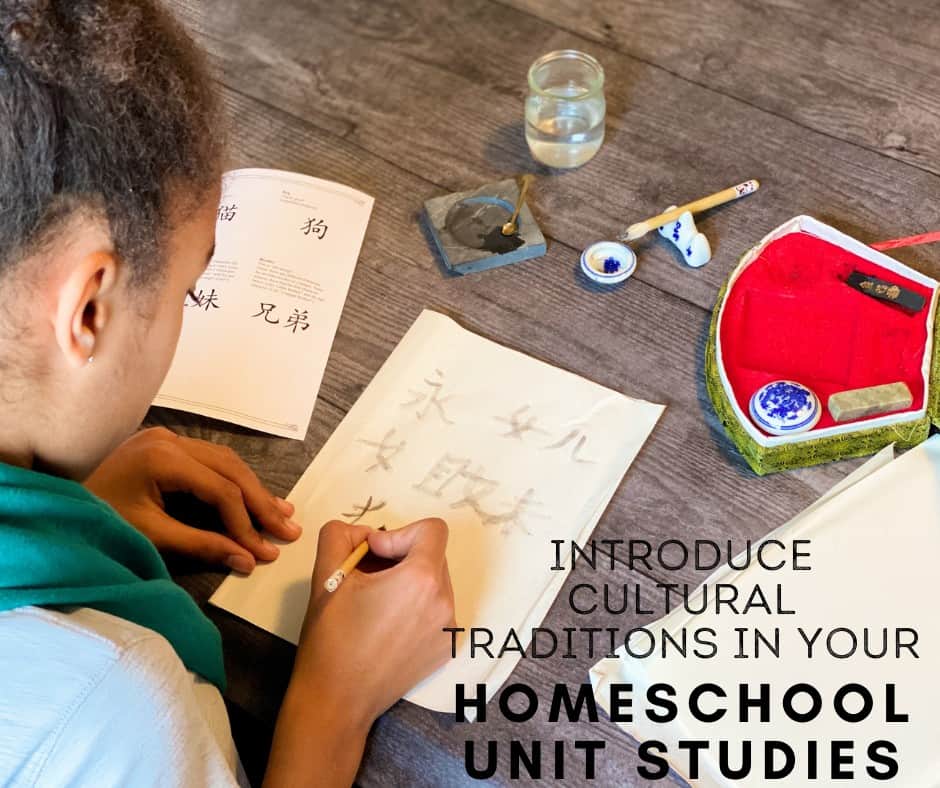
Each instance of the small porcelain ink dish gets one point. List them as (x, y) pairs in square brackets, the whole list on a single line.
[(608, 262), (785, 408)]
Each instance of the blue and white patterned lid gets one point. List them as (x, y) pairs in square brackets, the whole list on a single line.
[(785, 408)]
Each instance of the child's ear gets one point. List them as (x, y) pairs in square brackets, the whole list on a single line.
[(82, 312)]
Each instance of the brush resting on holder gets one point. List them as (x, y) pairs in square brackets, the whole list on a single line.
[(692, 245)]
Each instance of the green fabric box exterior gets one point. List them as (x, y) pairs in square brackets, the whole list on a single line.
[(764, 460)]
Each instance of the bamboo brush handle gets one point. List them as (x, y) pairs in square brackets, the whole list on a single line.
[(640, 229)]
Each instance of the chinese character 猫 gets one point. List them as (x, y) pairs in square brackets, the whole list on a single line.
[(432, 399), (576, 450), (297, 320), (362, 509), (266, 312), (205, 300), (445, 470), (227, 212), (315, 227), (385, 451), (519, 423)]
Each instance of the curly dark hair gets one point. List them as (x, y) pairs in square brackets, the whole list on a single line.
[(105, 106)]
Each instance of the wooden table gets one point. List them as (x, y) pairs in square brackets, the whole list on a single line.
[(834, 106)]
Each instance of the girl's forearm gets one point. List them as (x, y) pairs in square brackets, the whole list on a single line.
[(318, 741)]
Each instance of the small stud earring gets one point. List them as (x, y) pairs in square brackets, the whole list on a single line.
[(90, 359)]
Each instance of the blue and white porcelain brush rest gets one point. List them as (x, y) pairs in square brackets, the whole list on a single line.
[(610, 262), (679, 227), (692, 245)]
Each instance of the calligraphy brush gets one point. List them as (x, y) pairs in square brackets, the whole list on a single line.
[(640, 229), (335, 580)]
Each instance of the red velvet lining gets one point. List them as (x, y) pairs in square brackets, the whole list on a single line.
[(790, 315)]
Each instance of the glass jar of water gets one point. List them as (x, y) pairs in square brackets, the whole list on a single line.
[(565, 108)]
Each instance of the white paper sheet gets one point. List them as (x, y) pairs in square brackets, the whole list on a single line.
[(874, 544), (255, 343), (510, 451)]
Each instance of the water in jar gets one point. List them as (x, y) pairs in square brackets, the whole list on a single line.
[(565, 110), (564, 135)]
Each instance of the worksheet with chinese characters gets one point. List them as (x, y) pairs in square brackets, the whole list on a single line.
[(511, 451), (258, 329)]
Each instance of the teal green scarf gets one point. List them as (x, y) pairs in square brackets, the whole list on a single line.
[(61, 546)]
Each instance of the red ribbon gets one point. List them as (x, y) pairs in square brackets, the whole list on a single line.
[(913, 240)]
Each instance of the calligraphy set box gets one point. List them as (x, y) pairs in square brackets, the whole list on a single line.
[(814, 326)]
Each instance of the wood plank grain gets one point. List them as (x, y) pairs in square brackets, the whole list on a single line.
[(639, 339), (435, 92), (406, 101), (866, 72), (636, 339)]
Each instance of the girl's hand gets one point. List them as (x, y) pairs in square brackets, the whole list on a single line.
[(155, 461), (362, 647), (380, 632)]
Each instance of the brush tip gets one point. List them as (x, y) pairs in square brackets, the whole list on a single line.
[(634, 231)]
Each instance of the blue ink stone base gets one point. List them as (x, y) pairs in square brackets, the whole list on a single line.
[(465, 227)]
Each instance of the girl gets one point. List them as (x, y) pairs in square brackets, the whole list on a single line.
[(109, 673)]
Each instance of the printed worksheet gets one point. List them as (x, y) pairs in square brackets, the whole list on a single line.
[(258, 331), (511, 451)]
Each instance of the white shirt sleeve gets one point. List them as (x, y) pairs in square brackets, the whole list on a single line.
[(146, 722)]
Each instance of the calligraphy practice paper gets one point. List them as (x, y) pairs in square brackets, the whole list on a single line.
[(510, 451), (257, 335)]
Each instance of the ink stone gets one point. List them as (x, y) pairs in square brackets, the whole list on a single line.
[(467, 228)]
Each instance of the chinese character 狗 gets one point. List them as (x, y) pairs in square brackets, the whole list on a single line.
[(315, 227)]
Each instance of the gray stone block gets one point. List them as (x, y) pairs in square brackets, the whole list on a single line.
[(466, 227), (860, 403)]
